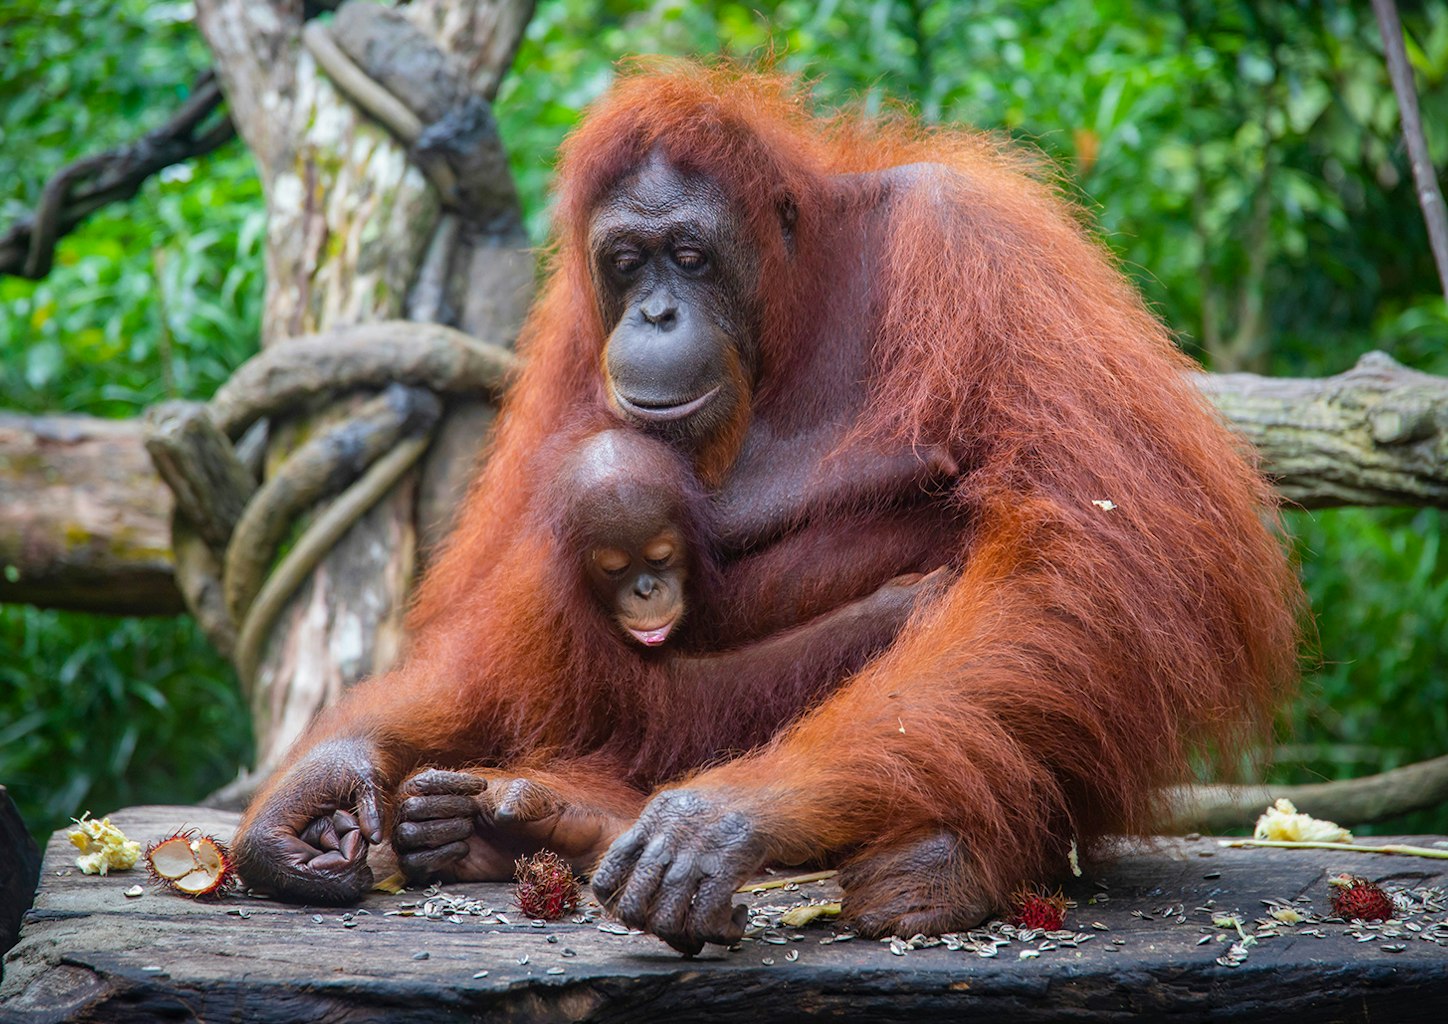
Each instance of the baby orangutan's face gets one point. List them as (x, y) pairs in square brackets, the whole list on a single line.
[(642, 585)]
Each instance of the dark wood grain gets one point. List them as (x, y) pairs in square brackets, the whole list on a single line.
[(89, 953)]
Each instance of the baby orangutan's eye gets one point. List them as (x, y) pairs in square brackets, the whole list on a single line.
[(611, 560), (659, 552)]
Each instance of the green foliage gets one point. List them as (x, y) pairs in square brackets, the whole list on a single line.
[(154, 298), (98, 713), (1242, 160), (1378, 579)]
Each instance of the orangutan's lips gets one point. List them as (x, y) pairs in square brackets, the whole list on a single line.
[(665, 413), (651, 637)]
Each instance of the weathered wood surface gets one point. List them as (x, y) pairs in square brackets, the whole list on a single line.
[(90, 953)]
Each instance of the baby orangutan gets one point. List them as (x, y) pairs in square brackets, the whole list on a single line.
[(631, 506)]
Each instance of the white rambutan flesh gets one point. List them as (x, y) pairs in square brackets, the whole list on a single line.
[(192, 864), (172, 858)]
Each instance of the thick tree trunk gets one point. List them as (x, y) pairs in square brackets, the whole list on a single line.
[(350, 219)]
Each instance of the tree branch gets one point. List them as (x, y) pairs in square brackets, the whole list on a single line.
[(1375, 435), (1430, 197), (78, 190), (1350, 802), (84, 518), (85, 522)]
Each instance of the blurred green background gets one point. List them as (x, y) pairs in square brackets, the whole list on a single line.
[(1242, 158)]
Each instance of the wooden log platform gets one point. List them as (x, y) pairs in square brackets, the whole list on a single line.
[(1141, 942)]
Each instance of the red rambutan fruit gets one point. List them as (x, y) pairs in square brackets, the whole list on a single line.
[(546, 887), (1354, 898), (1037, 909), (193, 864)]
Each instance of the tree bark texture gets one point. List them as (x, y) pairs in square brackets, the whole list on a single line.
[(1375, 435), (351, 218)]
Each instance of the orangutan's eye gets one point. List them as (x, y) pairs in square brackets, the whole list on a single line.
[(659, 552), (611, 561), (690, 259)]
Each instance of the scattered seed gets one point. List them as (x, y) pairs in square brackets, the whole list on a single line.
[(153, 969), (1099, 926), (316, 918), (1212, 874), (133, 892), (768, 961), (567, 952), (792, 955), (522, 959), (480, 974), (554, 970)]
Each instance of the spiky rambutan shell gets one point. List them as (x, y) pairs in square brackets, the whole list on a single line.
[(1355, 898), (546, 887), (1034, 908), (195, 865)]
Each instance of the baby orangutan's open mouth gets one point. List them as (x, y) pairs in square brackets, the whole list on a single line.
[(651, 636)]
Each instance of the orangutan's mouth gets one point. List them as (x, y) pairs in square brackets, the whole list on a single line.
[(652, 637), (665, 413)]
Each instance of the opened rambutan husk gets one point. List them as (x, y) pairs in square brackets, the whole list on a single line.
[(1037, 909), (546, 887), (193, 864), (1355, 898)]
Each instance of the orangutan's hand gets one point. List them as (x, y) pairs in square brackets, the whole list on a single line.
[(306, 838), (472, 826), (676, 871)]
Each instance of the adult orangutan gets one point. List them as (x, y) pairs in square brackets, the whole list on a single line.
[(761, 288)]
